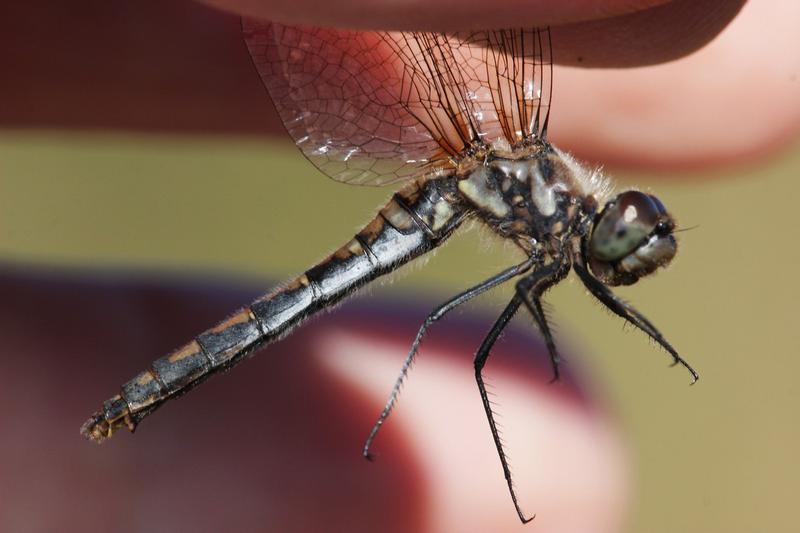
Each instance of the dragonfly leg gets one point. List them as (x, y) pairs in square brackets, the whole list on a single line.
[(626, 311), (480, 360), (435, 315), (530, 290)]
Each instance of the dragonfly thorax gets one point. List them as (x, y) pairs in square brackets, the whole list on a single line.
[(534, 198)]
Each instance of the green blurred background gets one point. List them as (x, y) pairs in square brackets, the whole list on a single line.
[(718, 456)]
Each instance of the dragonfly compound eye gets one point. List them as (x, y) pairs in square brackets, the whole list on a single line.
[(632, 237)]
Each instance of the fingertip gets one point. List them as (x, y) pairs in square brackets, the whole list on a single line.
[(731, 103), (443, 15)]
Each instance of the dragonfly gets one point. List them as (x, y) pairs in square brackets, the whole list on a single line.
[(460, 120)]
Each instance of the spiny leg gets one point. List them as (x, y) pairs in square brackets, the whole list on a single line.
[(480, 360), (435, 315), (626, 311), (530, 291)]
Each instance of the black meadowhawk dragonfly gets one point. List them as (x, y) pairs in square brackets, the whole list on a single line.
[(460, 120)]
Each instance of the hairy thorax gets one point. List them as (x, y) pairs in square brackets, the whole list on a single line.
[(536, 196)]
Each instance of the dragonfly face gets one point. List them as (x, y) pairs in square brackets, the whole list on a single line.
[(631, 238), (461, 119)]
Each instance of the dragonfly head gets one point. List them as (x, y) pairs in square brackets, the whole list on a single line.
[(631, 238)]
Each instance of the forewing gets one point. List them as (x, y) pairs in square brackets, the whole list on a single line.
[(508, 79)]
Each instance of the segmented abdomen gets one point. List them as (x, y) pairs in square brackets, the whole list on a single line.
[(414, 221)]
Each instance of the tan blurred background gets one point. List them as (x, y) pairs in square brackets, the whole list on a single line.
[(720, 456)]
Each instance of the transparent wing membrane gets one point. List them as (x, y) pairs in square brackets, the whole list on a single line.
[(372, 108)]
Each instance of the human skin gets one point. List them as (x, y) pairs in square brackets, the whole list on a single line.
[(730, 103), (275, 445), (733, 100), (590, 33)]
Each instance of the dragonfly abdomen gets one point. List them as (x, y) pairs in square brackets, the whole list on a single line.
[(413, 222)]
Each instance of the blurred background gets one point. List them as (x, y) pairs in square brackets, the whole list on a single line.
[(176, 172)]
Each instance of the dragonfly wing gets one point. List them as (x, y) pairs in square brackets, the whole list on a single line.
[(372, 108), (337, 93)]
